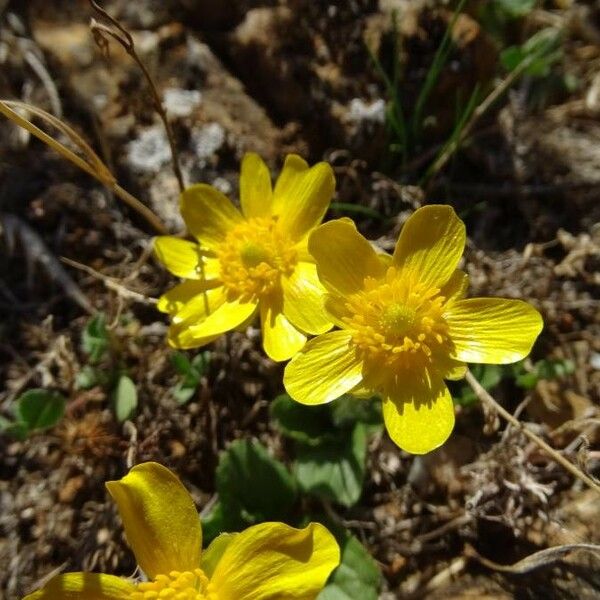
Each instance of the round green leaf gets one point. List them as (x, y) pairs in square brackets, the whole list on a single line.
[(125, 398), (40, 409), (335, 470), (253, 487), (357, 576)]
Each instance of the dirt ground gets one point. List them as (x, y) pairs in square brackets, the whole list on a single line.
[(300, 76)]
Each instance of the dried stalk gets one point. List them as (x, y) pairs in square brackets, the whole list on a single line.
[(541, 559), (484, 396), (118, 33), (111, 283), (91, 163), (125, 39)]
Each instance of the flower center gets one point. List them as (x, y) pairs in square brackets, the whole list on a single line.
[(397, 319), (189, 585), (252, 254), (253, 257), (397, 325)]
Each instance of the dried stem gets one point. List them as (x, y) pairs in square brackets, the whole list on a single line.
[(91, 163), (111, 283), (484, 396), (124, 38)]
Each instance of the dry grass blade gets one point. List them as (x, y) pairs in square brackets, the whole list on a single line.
[(111, 283), (537, 560), (484, 396), (92, 164), (15, 117), (93, 159)]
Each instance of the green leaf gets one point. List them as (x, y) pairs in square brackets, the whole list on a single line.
[(181, 362), (15, 429), (200, 363), (125, 398), (334, 470), (543, 369), (348, 410), (514, 9), (40, 409), (358, 575), (95, 339), (253, 487), (213, 524), (192, 372), (315, 425), (184, 392), (90, 377), (542, 50), (554, 369), (310, 425)]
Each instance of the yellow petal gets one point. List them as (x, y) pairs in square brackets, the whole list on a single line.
[(200, 305), (281, 340), (256, 195), (273, 561), (456, 287), (344, 257), (161, 522), (193, 334), (492, 330), (180, 257), (303, 300), (336, 309), (430, 245), (455, 370), (419, 417), (293, 170), (179, 336), (302, 196), (326, 368), (174, 300), (84, 586), (208, 214), (212, 555)]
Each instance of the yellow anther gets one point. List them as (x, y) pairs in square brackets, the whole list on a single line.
[(394, 323), (187, 585), (253, 257)]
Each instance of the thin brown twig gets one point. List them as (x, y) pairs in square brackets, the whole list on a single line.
[(541, 559), (484, 396), (125, 39), (110, 282), (92, 164)]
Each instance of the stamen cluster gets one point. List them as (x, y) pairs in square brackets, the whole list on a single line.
[(189, 585), (396, 323), (253, 257)]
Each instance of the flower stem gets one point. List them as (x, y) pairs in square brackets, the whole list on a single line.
[(125, 39), (483, 395)]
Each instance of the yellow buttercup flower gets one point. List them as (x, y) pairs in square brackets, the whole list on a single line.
[(405, 326), (271, 561), (249, 262)]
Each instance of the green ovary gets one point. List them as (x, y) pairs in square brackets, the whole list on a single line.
[(397, 319)]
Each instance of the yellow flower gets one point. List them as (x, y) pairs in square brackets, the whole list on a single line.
[(271, 561), (249, 262), (405, 326)]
